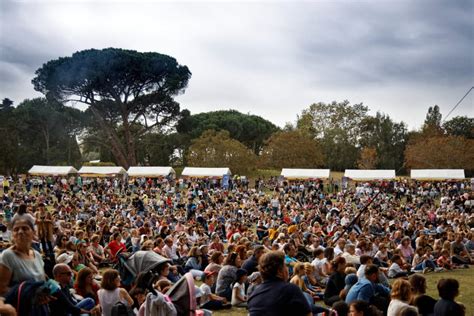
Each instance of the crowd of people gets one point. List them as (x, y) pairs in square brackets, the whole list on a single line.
[(275, 248)]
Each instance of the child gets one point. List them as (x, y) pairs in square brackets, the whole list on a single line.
[(444, 260), (239, 299), (255, 279), (208, 299), (395, 270)]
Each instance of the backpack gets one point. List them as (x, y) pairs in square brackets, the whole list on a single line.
[(120, 309)]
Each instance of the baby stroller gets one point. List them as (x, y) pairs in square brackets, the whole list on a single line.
[(129, 266)]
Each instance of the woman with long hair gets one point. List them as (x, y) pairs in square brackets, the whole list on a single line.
[(111, 293), (85, 285), (228, 275)]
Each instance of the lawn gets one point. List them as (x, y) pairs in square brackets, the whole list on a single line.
[(464, 276)]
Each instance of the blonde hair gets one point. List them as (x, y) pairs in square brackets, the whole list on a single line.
[(298, 268), (401, 290)]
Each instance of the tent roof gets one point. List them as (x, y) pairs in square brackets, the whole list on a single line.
[(369, 174), (437, 174), (205, 172), (150, 171), (100, 171), (305, 173), (51, 170)]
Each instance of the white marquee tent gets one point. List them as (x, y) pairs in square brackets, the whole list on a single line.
[(437, 174), (289, 173), (101, 171), (150, 172), (205, 172), (369, 174), (51, 170)]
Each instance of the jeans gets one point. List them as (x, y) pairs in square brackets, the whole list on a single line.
[(425, 264), (87, 304)]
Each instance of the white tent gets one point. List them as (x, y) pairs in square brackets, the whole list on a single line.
[(437, 174), (305, 173), (150, 172), (205, 172), (51, 170), (369, 174), (101, 171)]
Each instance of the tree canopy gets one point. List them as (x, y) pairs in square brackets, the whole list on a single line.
[(218, 149), (38, 131), (251, 130), (291, 149), (337, 126), (121, 88)]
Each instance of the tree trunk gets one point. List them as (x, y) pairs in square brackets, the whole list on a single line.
[(130, 143), (117, 149)]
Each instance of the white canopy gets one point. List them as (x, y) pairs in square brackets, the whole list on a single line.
[(305, 173), (437, 174), (52, 170), (369, 174), (101, 171), (150, 172), (205, 172)]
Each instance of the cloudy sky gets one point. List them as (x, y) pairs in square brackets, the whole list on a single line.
[(270, 58)]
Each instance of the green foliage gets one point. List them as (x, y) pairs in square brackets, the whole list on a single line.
[(387, 137), (251, 130), (291, 149), (218, 149), (337, 127), (460, 126), (38, 132), (433, 117), (122, 88)]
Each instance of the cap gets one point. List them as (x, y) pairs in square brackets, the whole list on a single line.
[(64, 258), (350, 280)]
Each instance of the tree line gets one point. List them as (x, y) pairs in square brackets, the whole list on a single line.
[(132, 118)]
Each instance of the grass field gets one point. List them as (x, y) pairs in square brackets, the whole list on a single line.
[(464, 276)]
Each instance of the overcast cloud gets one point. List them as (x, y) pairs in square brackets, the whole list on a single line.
[(267, 58)]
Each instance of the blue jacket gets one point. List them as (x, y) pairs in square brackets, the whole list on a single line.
[(364, 290)]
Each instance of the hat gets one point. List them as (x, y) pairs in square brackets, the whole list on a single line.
[(64, 258), (240, 273), (254, 276), (350, 280)]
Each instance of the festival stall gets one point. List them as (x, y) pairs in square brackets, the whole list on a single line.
[(437, 174), (369, 174), (101, 171), (151, 172), (195, 172), (52, 170), (304, 174)]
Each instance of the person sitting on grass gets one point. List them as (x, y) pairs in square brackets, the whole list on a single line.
[(239, 299), (444, 260), (423, 302), (401, 297), (396, 270), (208, 299), (275, 296), (448, 289), (421, 261)]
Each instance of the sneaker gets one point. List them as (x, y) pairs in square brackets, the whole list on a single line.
[(426, 270)]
